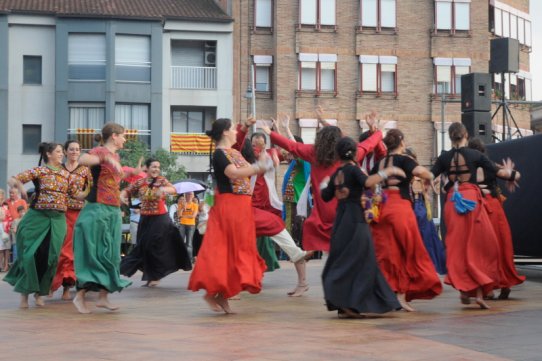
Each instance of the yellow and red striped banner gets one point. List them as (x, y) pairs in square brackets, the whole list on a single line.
[(194, 143)]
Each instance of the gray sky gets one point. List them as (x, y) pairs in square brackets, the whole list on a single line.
[(536, 54)]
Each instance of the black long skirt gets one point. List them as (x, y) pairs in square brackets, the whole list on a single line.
[(160, 250), (351, 277)]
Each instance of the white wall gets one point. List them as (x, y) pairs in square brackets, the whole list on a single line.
[(30, 104)]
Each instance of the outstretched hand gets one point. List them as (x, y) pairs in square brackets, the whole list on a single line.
[(371, 120)]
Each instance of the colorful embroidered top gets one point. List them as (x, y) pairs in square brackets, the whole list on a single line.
[(221, 159), (147, 190), (106, 185), (52, 187), (82, 178)]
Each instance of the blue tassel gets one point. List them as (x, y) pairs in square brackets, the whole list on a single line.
[(462, 205)]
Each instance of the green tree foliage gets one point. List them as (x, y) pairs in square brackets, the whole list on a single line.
[(135, 149)]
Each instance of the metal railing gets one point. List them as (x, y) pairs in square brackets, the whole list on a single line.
[(193, 77), (85, 136)]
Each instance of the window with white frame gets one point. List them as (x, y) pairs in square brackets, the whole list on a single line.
[(318, 72), (132, 116), (452, 15), (317, 12), (378, 14), (192, 120), (262, 72), (447, 74), (86, 56), (517, 86), (508, 22), (87, 115), (309, 127), (378, 74), (263, 13), (133, 58)]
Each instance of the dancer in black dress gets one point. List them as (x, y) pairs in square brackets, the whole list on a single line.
[(353, 283)]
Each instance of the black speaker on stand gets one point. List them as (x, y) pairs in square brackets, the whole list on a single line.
[(476, 105)]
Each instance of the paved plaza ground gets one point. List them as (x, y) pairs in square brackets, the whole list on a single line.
[(171, 323)]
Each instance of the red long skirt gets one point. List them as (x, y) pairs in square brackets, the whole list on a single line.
[(508, 275), (228, 260), (400, 251), (472, 248), (65, 273)]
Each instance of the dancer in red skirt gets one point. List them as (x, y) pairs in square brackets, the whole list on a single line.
[(321, 155), (79, 175), (472, 248), (399, 247), (493, 198), (228, 260)]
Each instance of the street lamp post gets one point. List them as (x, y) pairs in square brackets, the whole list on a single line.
[(251, 92)]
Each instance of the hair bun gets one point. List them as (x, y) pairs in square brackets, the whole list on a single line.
[(209, 133)]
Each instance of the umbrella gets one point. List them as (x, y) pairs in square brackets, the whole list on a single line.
[(132, 178), (189, 185)]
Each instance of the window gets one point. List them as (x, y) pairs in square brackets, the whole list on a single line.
[(263, 14), (31, 138), (378, 14), (378, 74), (318, 72), (31, 69), (87, 115), (86, 57), (452, 15), (317, 12), (518, 86), (262, 72), (133, 58), (448, 73), (192, 120), (132, 116), (507, 21)]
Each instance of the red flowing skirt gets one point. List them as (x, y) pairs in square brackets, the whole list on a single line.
[(472, 248), (267, 223), (228, 260), (400, 251), (65, 273), (508, 275)]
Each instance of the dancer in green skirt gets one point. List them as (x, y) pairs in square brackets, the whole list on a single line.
[(41, 232), (97, 235)]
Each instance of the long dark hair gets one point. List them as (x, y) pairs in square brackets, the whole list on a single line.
[(219, 126), (324, 145), (346, 149), (44, 148)]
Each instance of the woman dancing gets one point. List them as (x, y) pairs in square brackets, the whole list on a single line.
[(160, 249), (82, 178), (41, 232), (228, 261), (472, 248), (352, 281), (399, 247), (97, 234)]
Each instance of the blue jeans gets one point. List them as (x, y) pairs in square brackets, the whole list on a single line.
[(187, 233)]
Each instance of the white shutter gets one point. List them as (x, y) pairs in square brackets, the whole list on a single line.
[(513, 26), (327, 12), (86, 48), (527, 33), (505, 24), (262, 78), (521, 30), (462, 16), (264, 13), (368, 77), (443, 15), (308, 11), (132, 49), (308, 76), (387, 77), (498, 22), (444, 73), (140, 116), (368, 13), (387, 13)]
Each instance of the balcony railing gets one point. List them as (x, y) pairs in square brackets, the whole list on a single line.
[(193, 77), (85, 136), (191, 143)]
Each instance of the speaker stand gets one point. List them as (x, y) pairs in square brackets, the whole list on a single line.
[(506, 112)]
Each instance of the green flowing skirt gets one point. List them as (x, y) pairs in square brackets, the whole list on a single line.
[(266, 249), (39, 239), (96, 248)]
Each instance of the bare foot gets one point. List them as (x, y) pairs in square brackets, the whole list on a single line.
[(104, 303), (39, 300), (24, 301), (51, 293), (481, 303), (235, 298), (66, 294), (153, 283), (298, 290), (402, 301), (222, 302), (211, 301), (80, 305)]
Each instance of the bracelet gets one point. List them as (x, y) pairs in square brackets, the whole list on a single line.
[(382, 174), (323, 185), (512, 176)]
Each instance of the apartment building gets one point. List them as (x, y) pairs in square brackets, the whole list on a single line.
[(398, 57), (162, 69)]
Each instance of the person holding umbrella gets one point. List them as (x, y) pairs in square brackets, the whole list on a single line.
[(187, 220), (159, 250)]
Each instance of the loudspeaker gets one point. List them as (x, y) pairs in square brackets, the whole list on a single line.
[(476, 92), (478, 125), (504, 56)]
